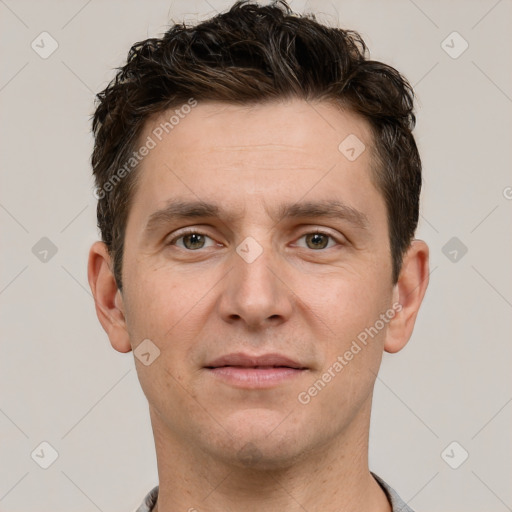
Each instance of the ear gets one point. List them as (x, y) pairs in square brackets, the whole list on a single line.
[(107, 297), (408, 293)]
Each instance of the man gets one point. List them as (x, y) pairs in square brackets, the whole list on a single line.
[(258, 189)]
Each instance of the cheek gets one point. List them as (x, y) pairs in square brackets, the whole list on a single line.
[(170, 309), (351, 336), (159, 300), (345, 304)]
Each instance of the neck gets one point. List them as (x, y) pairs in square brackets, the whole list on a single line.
[(335, 478)]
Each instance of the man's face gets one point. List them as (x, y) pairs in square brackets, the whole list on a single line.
[(253, 282)]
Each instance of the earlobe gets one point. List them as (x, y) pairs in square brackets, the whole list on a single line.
[(107, 297), (408, 292)]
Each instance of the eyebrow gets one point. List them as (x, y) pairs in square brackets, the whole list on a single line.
[(332, 209), (185, 210)]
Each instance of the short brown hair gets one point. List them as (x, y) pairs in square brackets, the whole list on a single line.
[(252, 54)]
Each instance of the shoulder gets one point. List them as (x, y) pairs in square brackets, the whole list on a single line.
[(397, 504), (149, 501)]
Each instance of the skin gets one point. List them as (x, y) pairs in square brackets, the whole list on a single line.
[(219, 446)]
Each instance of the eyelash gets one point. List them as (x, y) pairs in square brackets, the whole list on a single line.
[(195, 232)]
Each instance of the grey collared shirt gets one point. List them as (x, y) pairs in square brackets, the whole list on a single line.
[(397, 504)]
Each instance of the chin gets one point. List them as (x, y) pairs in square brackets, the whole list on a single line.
[(262, 457), (262, 440)]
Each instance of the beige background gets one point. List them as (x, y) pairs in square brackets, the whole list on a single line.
[(60, 380)]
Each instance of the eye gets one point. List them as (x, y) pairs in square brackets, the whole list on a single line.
[(318, 240), (191, 240)]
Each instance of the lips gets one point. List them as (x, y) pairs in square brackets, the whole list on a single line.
[(242, 360), (254, 372)]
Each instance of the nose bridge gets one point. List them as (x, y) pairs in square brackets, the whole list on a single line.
[(254, 291)]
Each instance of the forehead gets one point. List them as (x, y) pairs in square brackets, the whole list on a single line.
[(279, 127), (246, 156)]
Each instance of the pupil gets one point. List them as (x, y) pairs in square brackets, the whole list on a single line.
[(195, 239), (317, 240)]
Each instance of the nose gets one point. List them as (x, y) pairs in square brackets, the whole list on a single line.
[(255, 291)]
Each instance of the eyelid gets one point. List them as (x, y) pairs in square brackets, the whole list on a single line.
[(310, 230)]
